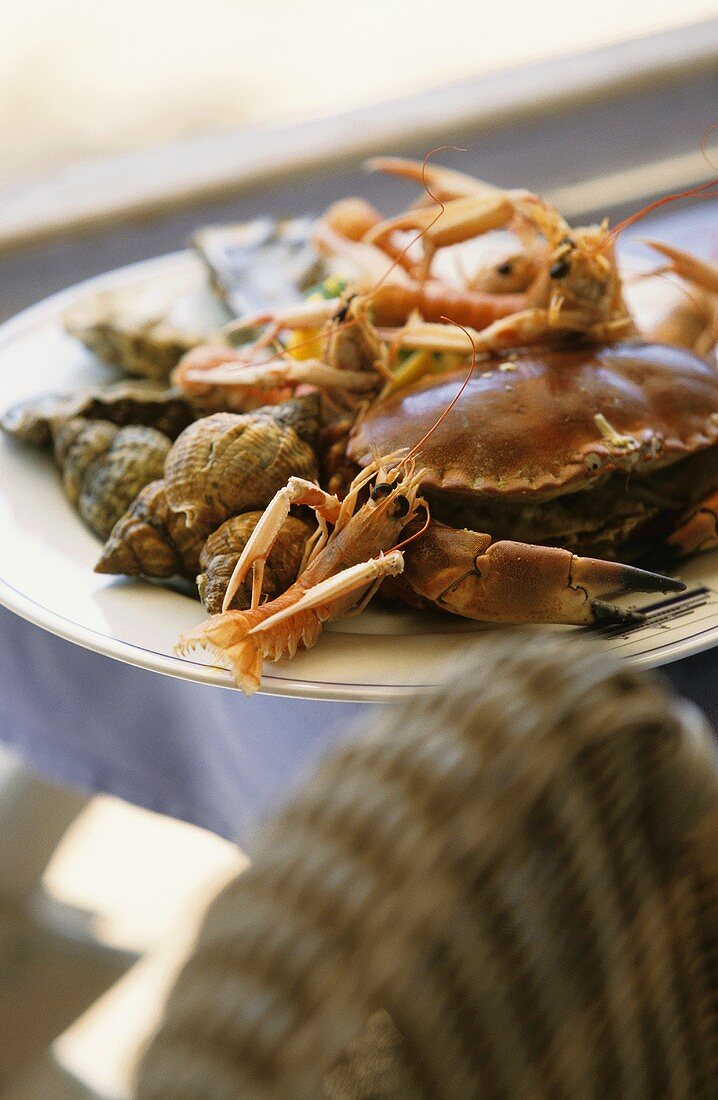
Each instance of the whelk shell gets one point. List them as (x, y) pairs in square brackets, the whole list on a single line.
[(151, 540), (220, 466), (221, 552), (230, 463), (104, 467)]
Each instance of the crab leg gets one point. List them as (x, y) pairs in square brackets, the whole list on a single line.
[(466, 573), (698, 530), (259, 544)]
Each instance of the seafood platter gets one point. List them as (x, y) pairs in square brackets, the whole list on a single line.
[(319, 456)]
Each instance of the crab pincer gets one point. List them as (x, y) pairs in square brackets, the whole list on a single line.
[(467, 574)]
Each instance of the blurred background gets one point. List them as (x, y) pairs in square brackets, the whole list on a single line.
[(86, 89), (83, 79)]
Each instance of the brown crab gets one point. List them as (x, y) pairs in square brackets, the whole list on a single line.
[(605, 450)]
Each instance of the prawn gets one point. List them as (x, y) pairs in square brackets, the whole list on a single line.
[(340, 574)]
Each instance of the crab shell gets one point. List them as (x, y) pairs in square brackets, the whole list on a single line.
[(588, 448)]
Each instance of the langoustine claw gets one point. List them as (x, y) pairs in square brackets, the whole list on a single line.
[(693, 321), (222, 551)]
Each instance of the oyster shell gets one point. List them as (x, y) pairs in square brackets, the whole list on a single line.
[(104, 466), (221, 552), (261, 264), (146, 403), (145, 330)]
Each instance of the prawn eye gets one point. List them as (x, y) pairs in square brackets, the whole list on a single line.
[(342, 313), (559, 269), (401, 507), (505, 268), (381, 490)]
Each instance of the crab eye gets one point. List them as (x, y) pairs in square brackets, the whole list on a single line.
[(401, 506), (505, 268), (380, 491), (559, 269)]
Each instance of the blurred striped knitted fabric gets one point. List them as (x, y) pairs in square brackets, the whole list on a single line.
[(507, 888)]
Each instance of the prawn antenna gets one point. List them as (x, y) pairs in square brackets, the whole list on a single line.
[(422, 232), (457, 395), (416, 534), (704, 146), (699, 191)]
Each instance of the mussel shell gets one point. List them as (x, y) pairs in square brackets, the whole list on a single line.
[(146, 403), (104, 467), (221, 552), (262, 264)]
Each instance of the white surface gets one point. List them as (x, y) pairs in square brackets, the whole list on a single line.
[(47, 555)]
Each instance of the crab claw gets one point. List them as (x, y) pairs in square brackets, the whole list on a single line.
[(459, 220), (466, 573)]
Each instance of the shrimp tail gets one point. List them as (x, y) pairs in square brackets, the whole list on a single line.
[(226, 637)]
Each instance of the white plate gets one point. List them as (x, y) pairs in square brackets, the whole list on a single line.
[(46, 558)]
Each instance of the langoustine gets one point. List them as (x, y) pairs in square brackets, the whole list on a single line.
[(341, 571)]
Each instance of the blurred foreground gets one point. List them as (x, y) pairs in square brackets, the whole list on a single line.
[(101, 908)]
